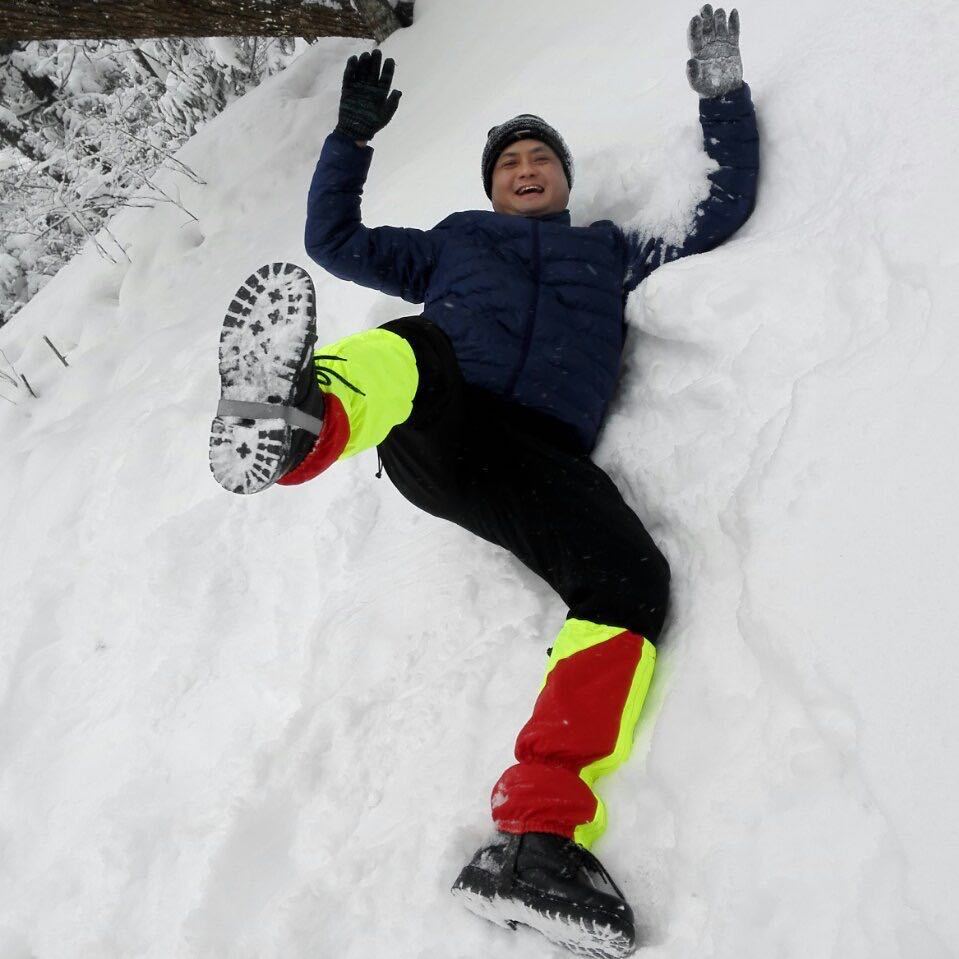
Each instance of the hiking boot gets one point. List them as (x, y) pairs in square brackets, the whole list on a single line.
[(552, 885), (271, 408)]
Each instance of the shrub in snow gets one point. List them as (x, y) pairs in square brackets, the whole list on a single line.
[(84, 124)]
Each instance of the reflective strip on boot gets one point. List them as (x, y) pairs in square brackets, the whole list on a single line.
[(270, 411)]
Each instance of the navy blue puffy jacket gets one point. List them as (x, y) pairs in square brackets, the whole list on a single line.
[(533, 305)]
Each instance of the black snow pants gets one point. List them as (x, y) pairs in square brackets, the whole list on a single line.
[(519, 479)]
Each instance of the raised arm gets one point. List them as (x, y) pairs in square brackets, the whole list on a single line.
[(393, 260), (730, 137)]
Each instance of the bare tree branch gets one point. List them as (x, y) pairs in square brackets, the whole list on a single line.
[(183, 167), (6, 360)]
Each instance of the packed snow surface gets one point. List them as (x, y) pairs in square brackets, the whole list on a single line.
[(267, 726)]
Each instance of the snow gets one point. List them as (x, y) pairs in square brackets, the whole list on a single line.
[(268, 726), (225, 51)]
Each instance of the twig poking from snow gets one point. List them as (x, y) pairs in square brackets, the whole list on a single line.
[(12, 367), (153, 186), (106, 229), (60, 356), (196, 178), (100, 247)]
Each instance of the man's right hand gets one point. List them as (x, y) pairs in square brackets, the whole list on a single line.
[(716, 67), (366, 104)]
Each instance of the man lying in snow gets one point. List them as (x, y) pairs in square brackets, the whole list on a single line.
[(484, 410)]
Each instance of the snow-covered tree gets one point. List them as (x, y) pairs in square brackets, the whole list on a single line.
[(84, 125)]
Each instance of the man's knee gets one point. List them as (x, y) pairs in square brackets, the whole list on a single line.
[(635, 596), (655, 590)]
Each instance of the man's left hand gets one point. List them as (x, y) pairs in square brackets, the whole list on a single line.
[(716, 68)]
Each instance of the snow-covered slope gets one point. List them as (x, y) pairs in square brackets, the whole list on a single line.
[(268, 727)]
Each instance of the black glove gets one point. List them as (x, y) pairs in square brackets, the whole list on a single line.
[(366, 104)]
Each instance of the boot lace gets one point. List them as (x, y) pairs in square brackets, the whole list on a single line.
[(325, 375), (592, 866)]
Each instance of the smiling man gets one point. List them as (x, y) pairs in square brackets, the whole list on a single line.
[(529, 179), (484, 410)]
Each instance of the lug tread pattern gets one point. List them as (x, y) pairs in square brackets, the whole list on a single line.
[(267, 337)]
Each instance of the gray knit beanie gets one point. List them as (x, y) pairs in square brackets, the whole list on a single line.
[(524, 127)]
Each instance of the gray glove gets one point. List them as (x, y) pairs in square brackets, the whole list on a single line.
[(716, 67)]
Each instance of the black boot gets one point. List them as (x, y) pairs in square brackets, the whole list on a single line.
[(271, 408), (307, 397), (554, 886)]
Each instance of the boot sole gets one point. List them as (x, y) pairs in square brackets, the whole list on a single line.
[(267, 338), (580, 935)]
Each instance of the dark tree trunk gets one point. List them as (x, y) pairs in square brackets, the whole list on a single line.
[(379, 16), (129, 19), (404, 12)]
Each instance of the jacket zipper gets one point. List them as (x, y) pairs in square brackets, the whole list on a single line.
[(530, 315)]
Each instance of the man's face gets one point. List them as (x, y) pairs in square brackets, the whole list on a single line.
[(528, 180)]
